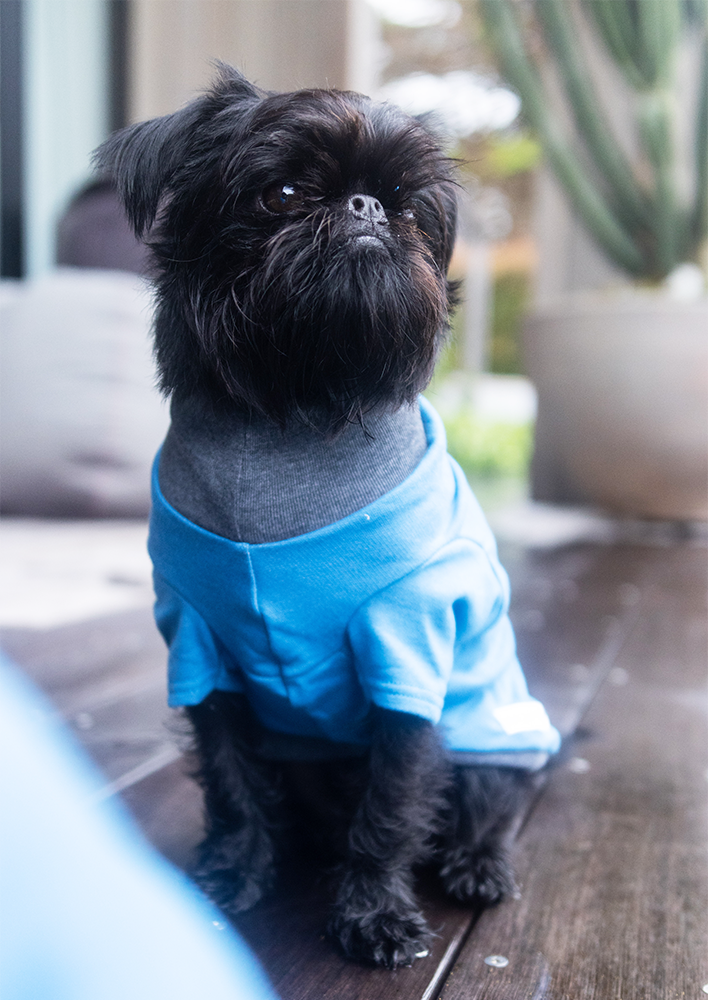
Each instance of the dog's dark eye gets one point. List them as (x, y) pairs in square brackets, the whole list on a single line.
[(282, 198)]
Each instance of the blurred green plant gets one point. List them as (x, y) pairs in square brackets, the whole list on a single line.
[(488, 448), (641, 211), (449, 359), (511, 296), (508, 155)]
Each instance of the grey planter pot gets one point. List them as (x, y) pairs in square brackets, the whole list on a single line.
[(623, 404)]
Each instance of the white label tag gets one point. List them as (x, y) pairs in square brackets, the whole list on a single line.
[(522, 717)]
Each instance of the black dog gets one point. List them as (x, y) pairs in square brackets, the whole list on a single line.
[(301, 243)]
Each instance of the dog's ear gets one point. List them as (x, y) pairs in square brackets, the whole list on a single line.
[(143, 158), (231, 83)]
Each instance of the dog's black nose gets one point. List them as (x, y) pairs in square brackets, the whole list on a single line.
[(363, 206)]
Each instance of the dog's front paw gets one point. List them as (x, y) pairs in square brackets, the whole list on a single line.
[(375, 924), (232, 891), (233, 883), (485, 877), (388, 939)]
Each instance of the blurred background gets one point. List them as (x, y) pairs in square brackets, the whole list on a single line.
[(581, 136), (71, 71)]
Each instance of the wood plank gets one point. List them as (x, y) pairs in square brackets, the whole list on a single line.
[(287, 932), (124, 735), (106, 677), (287, 935), (573, 609), (85, 663), (167, 804), (613, 860)]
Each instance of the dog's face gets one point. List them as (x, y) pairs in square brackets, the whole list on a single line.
[(301, 246)]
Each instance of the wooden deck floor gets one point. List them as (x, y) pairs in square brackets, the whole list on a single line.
[(613, 856)]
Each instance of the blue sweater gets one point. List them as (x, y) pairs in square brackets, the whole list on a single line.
[(402, 604)]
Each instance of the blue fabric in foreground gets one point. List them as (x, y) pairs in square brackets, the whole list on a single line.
[(89, 911), (402, 604)]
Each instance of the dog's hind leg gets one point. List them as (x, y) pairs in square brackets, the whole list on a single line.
[(475, 853), (236, 863), (376, 917)]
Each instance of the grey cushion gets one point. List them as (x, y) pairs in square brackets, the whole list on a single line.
[(80, 417)]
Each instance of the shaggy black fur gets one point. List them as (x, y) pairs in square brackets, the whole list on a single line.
[(264, 299), (301, 243), (400, 806)]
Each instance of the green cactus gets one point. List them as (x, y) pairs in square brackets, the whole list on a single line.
[(638, 212)]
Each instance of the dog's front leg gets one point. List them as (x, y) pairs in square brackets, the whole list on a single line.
[(485, 805), (236, 859), (376, 917)]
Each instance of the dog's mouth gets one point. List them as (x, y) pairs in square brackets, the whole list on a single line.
[(363, 237), (365, 233), (367, 239)]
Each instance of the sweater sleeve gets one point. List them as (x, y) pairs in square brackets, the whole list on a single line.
[(197, 661), (406, 636)]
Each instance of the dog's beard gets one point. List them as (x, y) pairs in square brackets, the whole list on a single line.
[(326, 324)]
